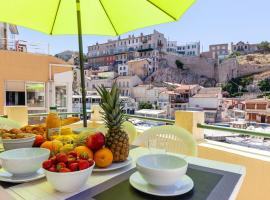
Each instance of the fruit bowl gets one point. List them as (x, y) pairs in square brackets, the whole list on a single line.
[(69, 181), (23, 161), (19, 143)]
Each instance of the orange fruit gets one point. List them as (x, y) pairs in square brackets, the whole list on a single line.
[(83, 149), (103, 157), (47, 145), (54, 146)]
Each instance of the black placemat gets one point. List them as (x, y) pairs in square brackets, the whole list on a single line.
[(7, 185), (204, 183), (210, 184)]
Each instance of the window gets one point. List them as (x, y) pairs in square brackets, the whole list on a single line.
[(127, 84), (61, 96), (35, 94), (14, 98)]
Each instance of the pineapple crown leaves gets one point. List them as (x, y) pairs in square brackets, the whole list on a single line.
[(113, 113)]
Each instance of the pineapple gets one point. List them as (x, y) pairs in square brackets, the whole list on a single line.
[(113, 115)]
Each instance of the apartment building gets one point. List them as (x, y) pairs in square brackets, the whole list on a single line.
[(125, 49), (172, 46), (123, 69), (189, 49)]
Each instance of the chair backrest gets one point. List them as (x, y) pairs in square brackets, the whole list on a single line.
[(8, 124), (170, 138), (17, 113), (128, 127)]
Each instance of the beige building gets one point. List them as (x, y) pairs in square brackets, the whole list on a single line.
[(36, 81), (102, 78), (258, 110), (186, 91), (140, 67), (126, 83), (148, 93)]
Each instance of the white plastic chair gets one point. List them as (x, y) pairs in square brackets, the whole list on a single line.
[(169, 138), (128, 127)]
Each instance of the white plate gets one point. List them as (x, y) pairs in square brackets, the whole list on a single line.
[(114, 166), (184, 185), (8, 177)]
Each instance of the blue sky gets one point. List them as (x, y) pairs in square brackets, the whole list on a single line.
[(208, 21)]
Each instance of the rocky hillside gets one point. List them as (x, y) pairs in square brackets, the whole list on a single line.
[(168, 72), (253, 63)]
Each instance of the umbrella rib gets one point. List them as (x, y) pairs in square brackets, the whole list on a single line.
[(108, 17), (162, 10), (56, 13)]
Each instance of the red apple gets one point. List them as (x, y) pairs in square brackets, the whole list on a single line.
[(39, 140), (95, 141)]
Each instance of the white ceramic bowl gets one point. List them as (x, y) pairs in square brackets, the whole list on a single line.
[(23, 161), (69, 181), (161, 169), (18, 143)]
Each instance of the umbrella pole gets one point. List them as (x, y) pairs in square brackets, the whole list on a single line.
[(81, 61)]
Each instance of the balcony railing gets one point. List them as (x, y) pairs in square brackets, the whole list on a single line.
[(169, 121)]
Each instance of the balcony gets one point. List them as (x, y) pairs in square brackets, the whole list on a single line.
[(145, 48), (256, 162)]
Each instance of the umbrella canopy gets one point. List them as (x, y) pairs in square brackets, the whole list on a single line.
[(97, 17)]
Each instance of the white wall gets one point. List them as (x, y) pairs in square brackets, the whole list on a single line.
[(204, 102)]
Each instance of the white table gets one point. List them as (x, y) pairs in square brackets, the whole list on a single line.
[(41, 190)]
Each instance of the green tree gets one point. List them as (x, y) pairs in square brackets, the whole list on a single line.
[(236, 86), (179, 64), (264, 85), (234, 54), (264, 47), (145, 105)]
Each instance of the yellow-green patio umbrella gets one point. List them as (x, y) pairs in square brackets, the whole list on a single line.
[(95, 17)]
